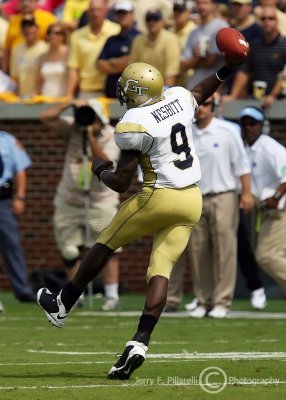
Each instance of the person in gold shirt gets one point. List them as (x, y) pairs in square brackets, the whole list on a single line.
[(86, 45), (183, 26), (158, 47), (25, 58), (14, 35)]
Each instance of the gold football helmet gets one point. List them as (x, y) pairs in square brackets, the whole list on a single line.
[(140, 84)]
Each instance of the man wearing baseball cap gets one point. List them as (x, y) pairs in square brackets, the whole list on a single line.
[(158, 47), (268, 185), (244, 20), (114, 56)]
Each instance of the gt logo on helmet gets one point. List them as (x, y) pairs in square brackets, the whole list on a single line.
[(133, 88)]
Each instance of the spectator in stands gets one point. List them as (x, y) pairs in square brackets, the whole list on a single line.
[(266, 58), (281, 16), (73, 10), (223, 159), (142, 6), (13, 181), (15, 34), (243, 20), (268, 182), (25, 58), (86, 45), (69, 215), (157, 47), (182, 28), (52, 74), (201, 53), (12, 7), (114, 56)]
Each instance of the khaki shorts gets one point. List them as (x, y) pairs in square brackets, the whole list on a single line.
[(69, 222)]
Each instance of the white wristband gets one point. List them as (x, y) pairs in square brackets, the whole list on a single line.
[(221, 80)]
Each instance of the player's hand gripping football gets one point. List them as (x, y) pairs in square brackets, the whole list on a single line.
[(99, 165), (233, 46)]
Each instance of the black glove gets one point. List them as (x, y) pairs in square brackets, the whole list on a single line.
[(99, 165)]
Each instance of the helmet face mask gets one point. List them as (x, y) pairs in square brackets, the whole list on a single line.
[(140, 84)]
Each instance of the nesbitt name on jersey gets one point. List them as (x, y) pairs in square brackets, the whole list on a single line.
[(167, 111)]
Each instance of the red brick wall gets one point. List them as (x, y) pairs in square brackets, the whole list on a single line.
[(47, 153)]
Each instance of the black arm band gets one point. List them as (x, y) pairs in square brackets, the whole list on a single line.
[(223, 73), (98, 170)]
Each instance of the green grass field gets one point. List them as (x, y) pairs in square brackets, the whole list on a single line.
[(39, 361)]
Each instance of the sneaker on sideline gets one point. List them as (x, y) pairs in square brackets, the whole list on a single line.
[(199, 312), (52, 305), (132, 358), (2, 309), (258, 299), (110, 304), (218, 312), (192, 305)]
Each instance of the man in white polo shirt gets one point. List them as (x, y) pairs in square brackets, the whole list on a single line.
[(212, 248), (268, 184)]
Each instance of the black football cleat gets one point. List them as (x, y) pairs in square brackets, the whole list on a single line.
[(52, 305)]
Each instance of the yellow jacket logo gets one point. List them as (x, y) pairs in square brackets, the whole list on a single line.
[(130, 85)]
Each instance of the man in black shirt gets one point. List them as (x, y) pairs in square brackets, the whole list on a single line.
[(114, 56), (266, 58)]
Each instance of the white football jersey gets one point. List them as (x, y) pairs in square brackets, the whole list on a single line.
[(162, 132)]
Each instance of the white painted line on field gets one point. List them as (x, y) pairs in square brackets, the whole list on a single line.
[(133, 385), (72, 353), (179, 314), (184, 314), (185, 355)]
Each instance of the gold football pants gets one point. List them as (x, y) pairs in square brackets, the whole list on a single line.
[(168, 214)]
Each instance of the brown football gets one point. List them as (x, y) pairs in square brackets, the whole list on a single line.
[(232, 43)]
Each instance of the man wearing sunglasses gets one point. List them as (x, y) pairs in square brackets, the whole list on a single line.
[(268, 184), (266, 59)]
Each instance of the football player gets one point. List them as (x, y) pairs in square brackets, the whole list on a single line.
[(155, 133)]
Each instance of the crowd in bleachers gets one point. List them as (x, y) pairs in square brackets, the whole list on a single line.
[(78, 48)]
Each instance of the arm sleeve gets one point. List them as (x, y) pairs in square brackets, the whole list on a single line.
[(239, 156), (280, 163), (21, 157), (132, 136)]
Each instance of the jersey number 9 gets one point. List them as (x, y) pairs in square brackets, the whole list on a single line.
[(179, 129)]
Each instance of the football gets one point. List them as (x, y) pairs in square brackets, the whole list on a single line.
[(232, 43)]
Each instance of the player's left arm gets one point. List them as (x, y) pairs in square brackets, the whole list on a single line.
[(120, 179)]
